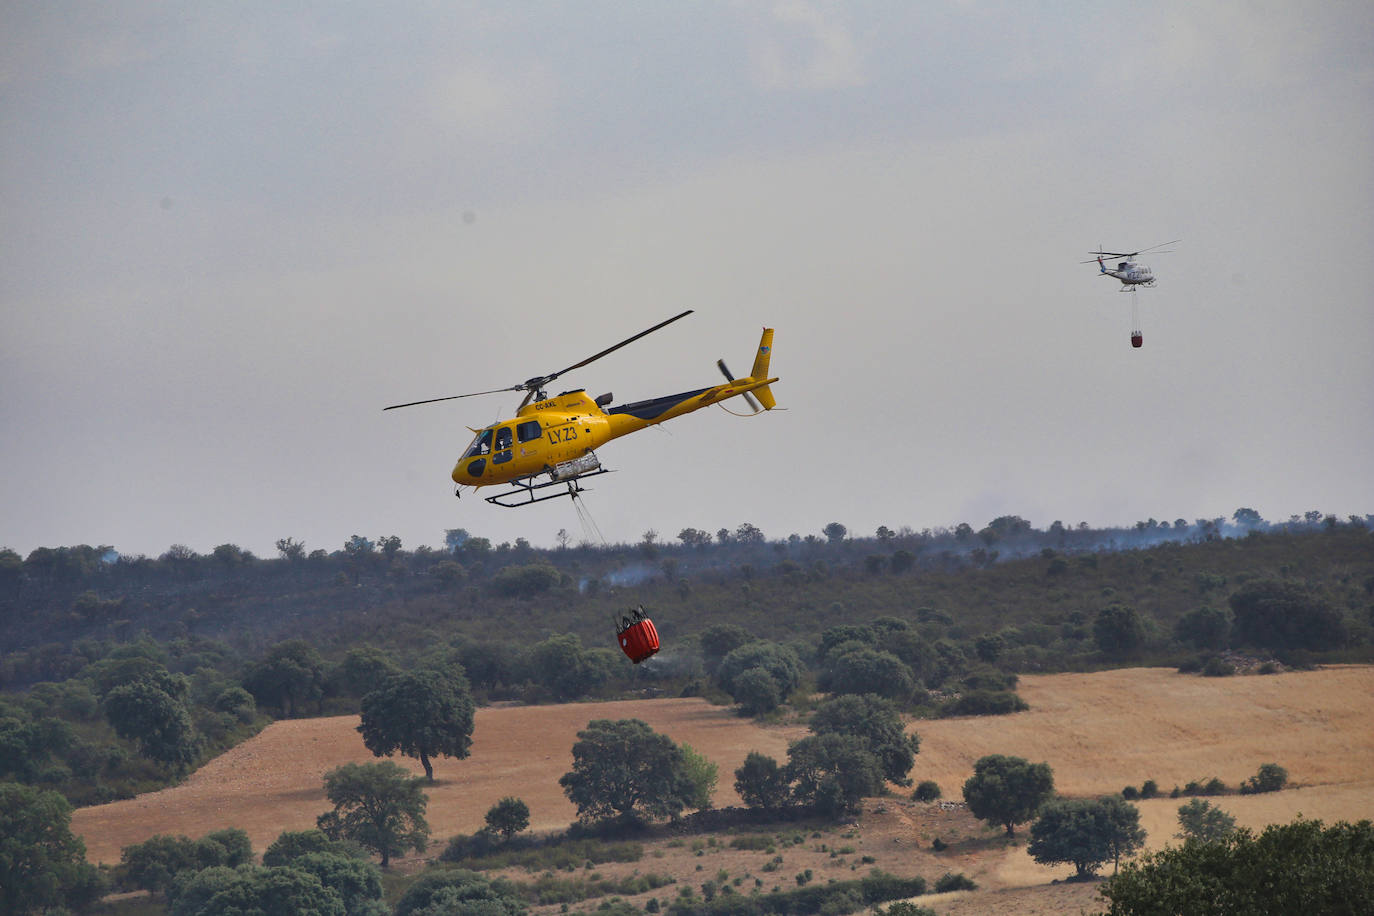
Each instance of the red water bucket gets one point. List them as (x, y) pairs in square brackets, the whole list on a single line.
[(638, 639), (1137, 339)]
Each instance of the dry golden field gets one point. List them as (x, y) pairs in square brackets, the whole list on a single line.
[(1099, 732)]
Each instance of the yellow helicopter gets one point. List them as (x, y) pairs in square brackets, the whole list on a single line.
[(557, 437)]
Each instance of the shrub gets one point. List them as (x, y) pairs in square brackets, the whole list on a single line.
[(927, 790), (984, 703), (959, 882), (1204, 822), (1270, 778), (1217, 666), (1303, 867)]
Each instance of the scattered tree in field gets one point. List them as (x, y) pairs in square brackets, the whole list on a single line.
[(42, 863), (508, 817), (1204, 822), (926, 790), (1007, 790), (379, 806), (875, 720), (624, 769), (760, 782), (1302, 867), (420, 714), (832, 772), (1085, 832)]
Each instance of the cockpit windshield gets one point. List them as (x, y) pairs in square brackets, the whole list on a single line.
[(480, 446)]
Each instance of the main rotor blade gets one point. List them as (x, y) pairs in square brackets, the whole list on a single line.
[(629, 340), (454, 397), (1132, 254)]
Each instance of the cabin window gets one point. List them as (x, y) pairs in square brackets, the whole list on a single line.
[(529, 431), (503, 439), (480, 446)]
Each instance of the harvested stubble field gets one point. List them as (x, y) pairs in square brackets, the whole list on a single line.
[(1099, 732)]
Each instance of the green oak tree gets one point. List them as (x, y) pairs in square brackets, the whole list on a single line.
[(1007, 790), (420, 714), (832, 772), (1302, 867), (379, 806), (1285, 615), (42, 863), (624, 769), (1085, 832), (1204, 822), (875, 720), (158, 721), (508, 817), (760, 782)]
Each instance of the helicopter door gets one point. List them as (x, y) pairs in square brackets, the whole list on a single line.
[(501, 448)]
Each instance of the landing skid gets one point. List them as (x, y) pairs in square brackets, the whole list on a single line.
[(522, 493)]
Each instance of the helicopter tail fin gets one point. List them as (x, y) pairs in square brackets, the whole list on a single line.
[(760, 370)]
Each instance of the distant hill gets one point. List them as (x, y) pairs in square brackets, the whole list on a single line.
[(1007, 576)]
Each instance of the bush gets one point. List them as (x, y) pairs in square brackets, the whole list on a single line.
[(906, 908), (480, 853), (1202, 821), (1270, 778), (1217, 666), (927, 790), (959, 882), (984, 703), (1301, 867), (1213, 786)]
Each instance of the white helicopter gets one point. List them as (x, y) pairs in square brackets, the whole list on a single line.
[(1132, 276), (1129, 272)]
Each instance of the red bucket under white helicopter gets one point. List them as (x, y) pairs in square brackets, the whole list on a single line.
[(1133, 275)]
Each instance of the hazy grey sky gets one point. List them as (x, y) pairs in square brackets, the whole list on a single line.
[(231, 233)]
